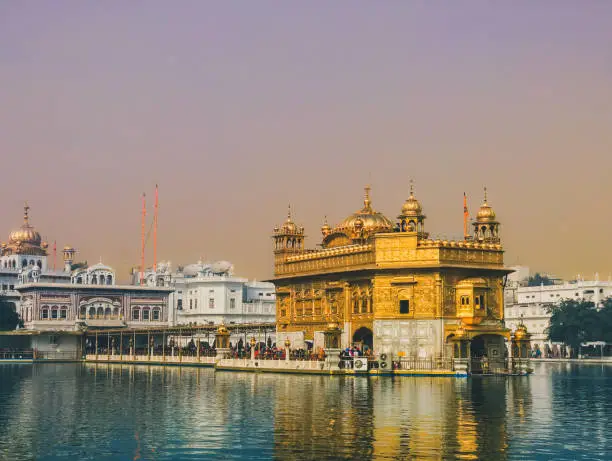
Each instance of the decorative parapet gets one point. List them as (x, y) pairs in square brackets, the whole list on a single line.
[(339, 258)]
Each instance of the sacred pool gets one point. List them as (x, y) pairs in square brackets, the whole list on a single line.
[(131, 412)]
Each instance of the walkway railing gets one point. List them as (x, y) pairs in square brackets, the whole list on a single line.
[(26, 354), (187, 359)]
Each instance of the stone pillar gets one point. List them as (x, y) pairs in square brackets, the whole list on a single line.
[(222, 337), (461, 362), (332, 340)]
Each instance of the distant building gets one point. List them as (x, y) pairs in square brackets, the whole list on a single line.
[(92, 300), (532, 305), (24, 259), (209, 293)]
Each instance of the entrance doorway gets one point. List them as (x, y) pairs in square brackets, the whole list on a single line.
[(364, 336), (487, 354)]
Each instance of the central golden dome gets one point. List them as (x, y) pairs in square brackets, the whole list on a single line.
[(366, 219)]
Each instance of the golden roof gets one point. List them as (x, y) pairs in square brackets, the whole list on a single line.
[(366, 219)]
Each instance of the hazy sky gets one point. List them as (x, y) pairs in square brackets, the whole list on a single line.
[(237, 108)]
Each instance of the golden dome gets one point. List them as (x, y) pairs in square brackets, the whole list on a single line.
[(411, 206), (289, 227), (485, 213), (366, 219), (325, 228), (26, 239)]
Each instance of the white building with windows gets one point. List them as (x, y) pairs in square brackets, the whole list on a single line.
[(532, 305), (209, 293)]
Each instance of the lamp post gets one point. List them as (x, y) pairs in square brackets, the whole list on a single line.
[(287, 345), (253, 343)]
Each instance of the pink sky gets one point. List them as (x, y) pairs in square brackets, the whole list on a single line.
[(237, 108)]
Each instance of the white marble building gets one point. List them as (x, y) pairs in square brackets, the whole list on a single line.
[(532, 305), (92, 300), (209, 293)]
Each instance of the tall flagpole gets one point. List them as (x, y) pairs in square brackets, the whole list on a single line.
[(155, 230), (465, 217), (142, 237)]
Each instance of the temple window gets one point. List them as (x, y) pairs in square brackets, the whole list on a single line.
[(94, 279), (54, 313), (356, 306), (404, 306), (156, 314), (44, 314), (145, 314), (24, 263), (83, 312), (109, 279), (364, 305), (107, 313), (195, 305), (79, 280), (136, 314), (63, 314), (92, 312)]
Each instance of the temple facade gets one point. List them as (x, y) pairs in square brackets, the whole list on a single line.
[(391, 287)]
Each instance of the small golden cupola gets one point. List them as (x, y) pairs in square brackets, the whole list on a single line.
[(486, 226), (25, 240), (289, 236), (325, 228), (412, 218)]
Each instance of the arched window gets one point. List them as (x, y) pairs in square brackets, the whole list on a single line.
[(145, 314), (94, 279), (356, 306), (54, 312), (82, 312), (92, 312), (116, 312), (63, 314), (136, 313), (364, 305), (156, 314), (101, 279), (109, 279), (24, 263), (44, 313), (39, 264), (107, 313), (100, 312), (79, 280)]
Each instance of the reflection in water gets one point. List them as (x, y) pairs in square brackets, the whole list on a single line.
[(140, 412)]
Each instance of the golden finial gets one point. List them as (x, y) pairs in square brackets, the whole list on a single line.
[(485, 194), (366, 200), (411, 188), (26, 209), (289, 212)]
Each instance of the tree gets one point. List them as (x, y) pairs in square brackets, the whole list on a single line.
[(574, 322), (9, 318), (538, 279)]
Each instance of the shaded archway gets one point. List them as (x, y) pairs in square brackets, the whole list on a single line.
[(364, 336), (488, 353)]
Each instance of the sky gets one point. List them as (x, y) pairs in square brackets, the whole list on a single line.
[(238, 108)]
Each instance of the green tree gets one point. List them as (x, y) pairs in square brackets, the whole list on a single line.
[(538, 279), (574, 322), (9, 318)]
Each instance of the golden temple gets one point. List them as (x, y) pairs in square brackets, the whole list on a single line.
[(393, 288)]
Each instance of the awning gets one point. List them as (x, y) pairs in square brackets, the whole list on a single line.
[(105, 323)]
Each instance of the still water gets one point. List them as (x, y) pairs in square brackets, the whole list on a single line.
[(74, 411)]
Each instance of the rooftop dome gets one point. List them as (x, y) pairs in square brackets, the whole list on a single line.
[(485, 213), (26, 234), (411, 206), (366, 219)]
